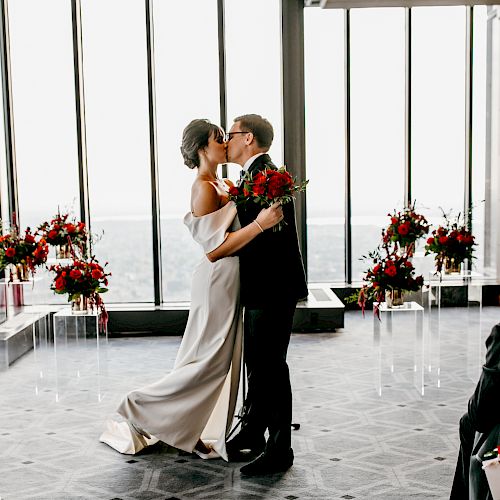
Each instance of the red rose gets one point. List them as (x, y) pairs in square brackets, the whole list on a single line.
[(259, 178), (29, 238), (10, 252), (430, 241), (57, 227), (259, 189), (403, 229), (96, 274), (52, 234), (75, 274), (60, 283), (277, 186), (375, 283), (394, 220), (408, 264), (391, 270), (71, 228), (443, 240), (246, 192), (233, 191), (376, 269)]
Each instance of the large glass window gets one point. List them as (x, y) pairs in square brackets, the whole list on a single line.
[(479, 131), (438, 113), (187, 87), (377, 124), (116, 101), (253, 59), (492, 165), (325, 143), (43, 94)]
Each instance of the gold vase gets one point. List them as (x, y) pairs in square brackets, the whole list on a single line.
[(63, 252), (19, 272), (394, 298), (80, 305), (451, 266)]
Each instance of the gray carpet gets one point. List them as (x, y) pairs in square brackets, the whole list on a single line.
[(352, 442)]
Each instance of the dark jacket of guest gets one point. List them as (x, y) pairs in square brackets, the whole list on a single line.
[(480, 427)]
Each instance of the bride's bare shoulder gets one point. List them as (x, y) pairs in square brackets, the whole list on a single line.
[(204, 197)]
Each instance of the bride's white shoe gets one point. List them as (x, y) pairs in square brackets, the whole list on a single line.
[(207, 456), (126, 437)]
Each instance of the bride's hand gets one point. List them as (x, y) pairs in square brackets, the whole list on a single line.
[(269, 217)]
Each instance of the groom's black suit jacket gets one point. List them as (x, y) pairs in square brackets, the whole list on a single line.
[(271, 266)]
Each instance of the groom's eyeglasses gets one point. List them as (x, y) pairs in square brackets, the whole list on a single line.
[(229, 135)]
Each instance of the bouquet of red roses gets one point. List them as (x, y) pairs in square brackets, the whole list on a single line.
[(406, 228), (391, 271), (267, 187), (452, 243), (63, 232), (26, 252)]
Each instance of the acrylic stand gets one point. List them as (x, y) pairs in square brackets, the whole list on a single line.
[(407, 318)]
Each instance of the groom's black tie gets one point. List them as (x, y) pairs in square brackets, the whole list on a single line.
[(242, 174)]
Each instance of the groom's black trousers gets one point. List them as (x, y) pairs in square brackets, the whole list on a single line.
[(268, 404)]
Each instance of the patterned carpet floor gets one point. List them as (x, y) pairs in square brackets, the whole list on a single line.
[(366, 432)]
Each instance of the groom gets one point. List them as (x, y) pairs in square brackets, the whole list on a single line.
[(272, 281)]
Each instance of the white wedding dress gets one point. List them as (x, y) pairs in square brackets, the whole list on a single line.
[(197, 398)]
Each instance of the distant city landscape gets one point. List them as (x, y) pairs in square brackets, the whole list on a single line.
[(126, 245)]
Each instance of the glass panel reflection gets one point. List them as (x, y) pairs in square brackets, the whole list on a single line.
[(325, 143), (116, 100), (189, 91), (377, 124)]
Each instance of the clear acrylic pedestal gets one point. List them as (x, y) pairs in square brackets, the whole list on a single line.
[(471, 337), (409, 316), (79, 348)]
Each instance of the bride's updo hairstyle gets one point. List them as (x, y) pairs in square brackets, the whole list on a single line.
[(195, 138)]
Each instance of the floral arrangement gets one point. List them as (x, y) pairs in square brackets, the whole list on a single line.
[(391, 271), (451, 241), (267, 187), (79, 278), (85, 278), (62, 231), (406, 228), (25, 251)]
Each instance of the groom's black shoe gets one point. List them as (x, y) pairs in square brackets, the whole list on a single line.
[(244, 447), (267, 463)]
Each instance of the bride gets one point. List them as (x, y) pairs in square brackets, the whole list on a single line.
[(192, 407)]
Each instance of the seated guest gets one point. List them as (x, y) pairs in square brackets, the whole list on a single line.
[(479, 427)]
